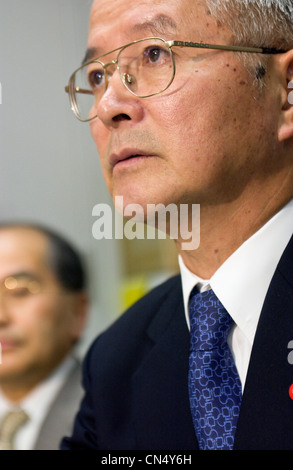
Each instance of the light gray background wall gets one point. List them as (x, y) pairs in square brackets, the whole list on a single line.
[(49, 168)]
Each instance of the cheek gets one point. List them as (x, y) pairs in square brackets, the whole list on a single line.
[(37, 321), (101, 136), (45, 313), (206, 118), (206, 131), (181, 122)]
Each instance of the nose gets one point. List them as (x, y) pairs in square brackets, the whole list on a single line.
[(118, 105)]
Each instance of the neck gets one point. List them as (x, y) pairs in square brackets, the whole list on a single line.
[(16, 387), (223, 229), (16, 391)]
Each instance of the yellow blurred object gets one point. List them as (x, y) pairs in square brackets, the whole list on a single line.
[(132, 290)]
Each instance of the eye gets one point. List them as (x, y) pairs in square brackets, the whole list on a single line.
[(155, 55), (19, 292), (96, 78)]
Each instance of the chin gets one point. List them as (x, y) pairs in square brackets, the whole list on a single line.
[(130, 206), (125, 201)]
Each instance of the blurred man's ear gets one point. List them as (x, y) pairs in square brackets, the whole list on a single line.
[(286, 119), (80, 306)]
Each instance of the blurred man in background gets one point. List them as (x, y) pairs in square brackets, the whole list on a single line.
[(43, 308)]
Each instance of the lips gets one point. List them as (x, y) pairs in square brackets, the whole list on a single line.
[(7, 343), (126, 155)]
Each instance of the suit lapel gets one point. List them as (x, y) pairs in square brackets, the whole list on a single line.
[(266, 416), (58, 423), (161, 383)]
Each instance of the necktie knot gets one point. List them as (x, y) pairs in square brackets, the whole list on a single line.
[(210, 322), (11, 423)]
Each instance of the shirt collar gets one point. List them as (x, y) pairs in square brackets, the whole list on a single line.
[(241, 283)]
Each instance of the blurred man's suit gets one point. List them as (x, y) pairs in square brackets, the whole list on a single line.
[(59, 420), (51, 408)]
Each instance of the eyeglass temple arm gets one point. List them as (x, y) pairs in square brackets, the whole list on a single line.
[(79, 90), (259, 50)]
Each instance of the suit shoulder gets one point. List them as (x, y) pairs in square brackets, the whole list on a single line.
[(143, 310), (128, 333), (157, 295)]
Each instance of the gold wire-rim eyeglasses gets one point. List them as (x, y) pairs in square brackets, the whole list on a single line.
[(125, 78)]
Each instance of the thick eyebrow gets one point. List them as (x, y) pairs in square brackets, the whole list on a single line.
[(160, 24), (90, 54)]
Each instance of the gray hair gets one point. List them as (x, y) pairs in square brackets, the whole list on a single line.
[(266, 23)]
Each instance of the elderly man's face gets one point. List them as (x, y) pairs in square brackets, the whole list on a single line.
[(207, 138)]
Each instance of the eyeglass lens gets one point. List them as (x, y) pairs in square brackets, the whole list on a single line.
[(145, 67), (14, 290)]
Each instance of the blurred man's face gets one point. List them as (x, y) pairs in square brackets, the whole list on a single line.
[(207, 139), (39, 320)]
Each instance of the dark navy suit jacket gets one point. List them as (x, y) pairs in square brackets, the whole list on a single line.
[(135, 376)]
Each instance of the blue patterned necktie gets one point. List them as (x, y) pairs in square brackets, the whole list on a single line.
[(214, 384)]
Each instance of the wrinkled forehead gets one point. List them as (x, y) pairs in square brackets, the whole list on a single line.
[(22, 250), (120, 21), (109, 15), (111, 11)]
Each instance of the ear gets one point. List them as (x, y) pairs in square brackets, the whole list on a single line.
[(79, 313), (286, 120)]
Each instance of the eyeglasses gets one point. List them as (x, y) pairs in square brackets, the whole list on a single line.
[(16, 289), (146, 68)]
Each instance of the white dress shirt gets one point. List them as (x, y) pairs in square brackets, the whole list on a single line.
[(241, 283), (37, 405)]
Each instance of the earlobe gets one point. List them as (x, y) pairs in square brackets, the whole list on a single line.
[(286, 124), (290, 95)]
